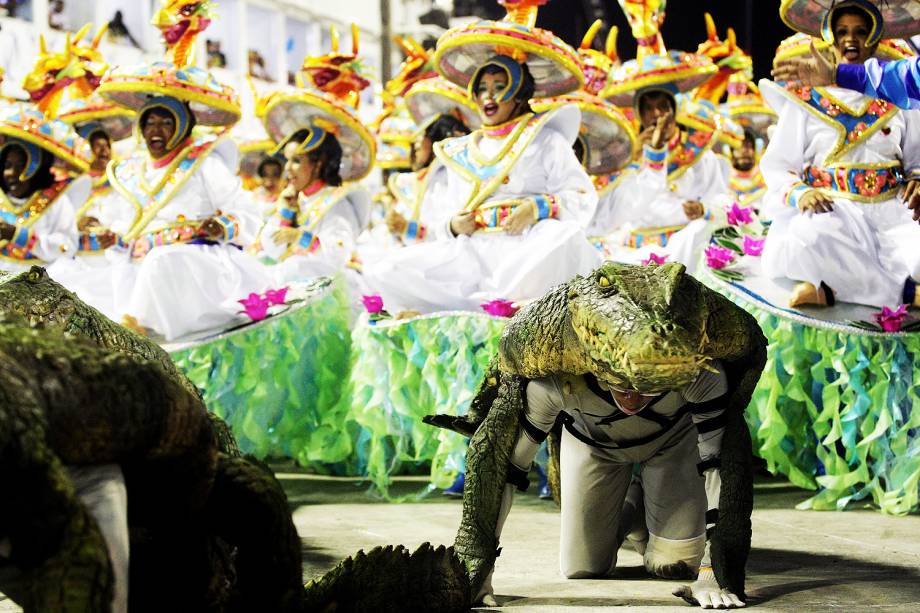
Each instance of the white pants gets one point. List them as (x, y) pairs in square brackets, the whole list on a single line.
[(183, 289), (594, 488), (864, 252)]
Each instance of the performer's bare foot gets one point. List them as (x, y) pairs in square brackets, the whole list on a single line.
[(806, 293), (135, 326)]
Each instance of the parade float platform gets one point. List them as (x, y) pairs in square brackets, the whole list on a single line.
[(279, 382), (402, 370), (837, 409)]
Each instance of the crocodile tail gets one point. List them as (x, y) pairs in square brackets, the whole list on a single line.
[(487, 462), (250, 512), (391, 580)]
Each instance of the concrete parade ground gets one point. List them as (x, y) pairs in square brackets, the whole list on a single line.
[(858, 560)]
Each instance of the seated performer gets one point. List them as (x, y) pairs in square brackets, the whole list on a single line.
[(746, 182), (314, 228), (425, 182), (327, 149), (839, 228), (270, 173), (513, 214), (96, 215), (678, 179), (37, 223), (189, 270)]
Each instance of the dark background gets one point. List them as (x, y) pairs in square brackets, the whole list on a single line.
[(756, 22)]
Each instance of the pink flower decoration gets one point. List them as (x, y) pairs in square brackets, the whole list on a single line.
[(499, 308), (373, 304), (718, 257), (752, 246), (255, 306), (654, 258), (738, 215), (889, 320), (276, 296)]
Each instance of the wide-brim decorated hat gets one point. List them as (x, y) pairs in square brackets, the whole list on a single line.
[(115, 120), (703, 115), (746, 106), (460, 52), (605, 133), (677, 72), (54, 136), (287, 113), (890, 18), (799, 45), (212, 103), (395, 135), (252, 153), (430, 98), (655, 68)]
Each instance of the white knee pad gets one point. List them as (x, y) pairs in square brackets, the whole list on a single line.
[(662, 552)]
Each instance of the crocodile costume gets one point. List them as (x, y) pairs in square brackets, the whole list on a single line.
[(646, 328), (209, 529)]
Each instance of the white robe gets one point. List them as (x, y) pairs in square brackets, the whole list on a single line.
[(863, 251), (180, 289), (347, 212), (405, 188), (55, 235), (462, 272), (647, 198)]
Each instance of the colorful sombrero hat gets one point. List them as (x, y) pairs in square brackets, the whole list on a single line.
[(212, 103), (553, 64), (287, 113), (180, 21), (890, 18), (605, 133), (338, 81), (54, 136), (704, 116), (117, 121), (654, 66), (252, 153), (395, 135), (798, 45), (429, 98), (746, 106)]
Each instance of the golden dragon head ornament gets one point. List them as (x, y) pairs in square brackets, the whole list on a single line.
[(180, 22), (340, 75), (78, 66)]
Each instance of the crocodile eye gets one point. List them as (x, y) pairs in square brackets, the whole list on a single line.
[(603, 281), (34, 275)]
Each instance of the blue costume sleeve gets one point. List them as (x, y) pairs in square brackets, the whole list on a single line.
[(897, 82)]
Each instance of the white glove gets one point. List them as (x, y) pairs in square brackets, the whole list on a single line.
[(706, 593)]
